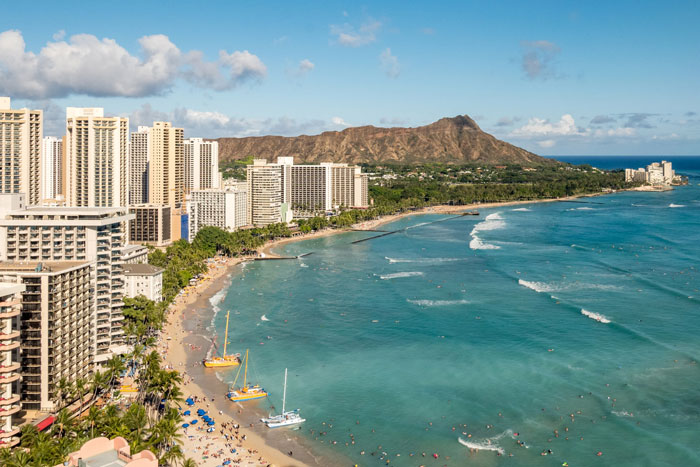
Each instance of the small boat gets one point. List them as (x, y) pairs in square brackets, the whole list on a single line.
[(286, 418), (246, 392), (224, 360)]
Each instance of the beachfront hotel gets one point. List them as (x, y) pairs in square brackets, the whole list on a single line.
[(38, 234), (657, 173), (10, 309), (96, 158), (151, 224), (278, 192), (21, 133), (144, 279), (223, 208), (56, 324)]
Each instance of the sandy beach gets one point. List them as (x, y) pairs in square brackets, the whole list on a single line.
[(238, 435)]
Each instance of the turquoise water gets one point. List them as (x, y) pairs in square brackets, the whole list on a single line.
[(474, 325)]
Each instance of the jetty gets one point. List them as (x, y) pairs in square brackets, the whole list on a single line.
[(275, 258)]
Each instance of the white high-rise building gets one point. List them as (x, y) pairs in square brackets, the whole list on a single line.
[(97, 154), (52, 168), (138, 166), (21, 134), (265, 203), (10, 368), (166, 165), (226, 209), (201, 165), (99, 235)]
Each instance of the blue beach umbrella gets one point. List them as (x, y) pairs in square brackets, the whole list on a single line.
[(189, 401), (194, 422), (186, 413), (185, 425), (211, 423)]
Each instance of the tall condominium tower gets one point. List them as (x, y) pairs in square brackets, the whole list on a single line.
[(21, 132), (264, 193), (138, 166), (10, 309), (52, 168), (201, 164), (97, 156), (166, 165)]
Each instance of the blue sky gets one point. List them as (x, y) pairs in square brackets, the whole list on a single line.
[(554, 77)]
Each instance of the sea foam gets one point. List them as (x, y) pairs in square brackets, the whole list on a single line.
[(264, 318), (596, 316), (487, 444), (398, 275), (522, 209), (491, 222), (431, 303), (676, 205), (422, 260)]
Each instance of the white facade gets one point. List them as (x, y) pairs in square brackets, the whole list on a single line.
[(201, 164), (135, 254), (76, 234), (10, 310), (139, 148), (21, 134), (226, 209), (97, 154), (144, 279), (52, 168), (264, 193), (657, 173)]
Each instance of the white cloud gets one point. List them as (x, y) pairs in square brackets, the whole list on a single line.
[(212, 124), (91, 66), (547, 143), (59, 35), (390, 64), (538, 59), (349, 36), (302, 69), (538, 127)]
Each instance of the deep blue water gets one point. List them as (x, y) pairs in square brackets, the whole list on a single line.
[(476, 326)]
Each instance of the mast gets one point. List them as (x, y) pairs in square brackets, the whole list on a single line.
[(245, 375), (226, 335), (284, 393)]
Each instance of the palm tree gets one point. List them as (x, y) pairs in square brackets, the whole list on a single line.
[(99, 381), (115, 367), (80, 386), (62, 423), (189, 463), (16, 458), (65, 389), (94, 417), (172, 454)]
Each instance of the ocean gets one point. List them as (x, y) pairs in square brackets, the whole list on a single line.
[(565, 328)]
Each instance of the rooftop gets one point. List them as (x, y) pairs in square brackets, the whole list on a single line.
[(45, 267), (141, 270), (10, 288)]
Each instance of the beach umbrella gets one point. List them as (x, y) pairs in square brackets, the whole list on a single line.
[(201, 412), (211, 423), (189, 401), (194, 422), (186, 413), (185, 425)]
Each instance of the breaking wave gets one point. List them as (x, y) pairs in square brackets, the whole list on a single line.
[(676, 205), (491, 222), (487, 444), (547, 287), (522, 209), (422, 260), (401, 274), (264, 318), (596, 316), (430, 303)]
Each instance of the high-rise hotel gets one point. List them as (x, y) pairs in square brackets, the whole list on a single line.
[(21, 133), (96, 158)]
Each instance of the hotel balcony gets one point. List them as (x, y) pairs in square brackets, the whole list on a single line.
[(11, 367), (9, 442), (8, 434), (7, 378), (7, 404), (12, 335), (5, 346)]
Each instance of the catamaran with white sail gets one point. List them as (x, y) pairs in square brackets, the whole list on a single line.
[(286, 418)]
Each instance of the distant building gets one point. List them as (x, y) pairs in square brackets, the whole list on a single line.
[(201, 165), (226, 209), (96, 159), (10, 309), (657, 173), (144, 279), (151, 224), (52, 168), (105, 452), (56, 330), (138, 166), (21, 134), (135, 254), (166, 165)]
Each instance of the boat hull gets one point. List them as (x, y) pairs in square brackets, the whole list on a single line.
[(219, 362)]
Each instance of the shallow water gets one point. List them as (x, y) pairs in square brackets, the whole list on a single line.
[(489, 326)]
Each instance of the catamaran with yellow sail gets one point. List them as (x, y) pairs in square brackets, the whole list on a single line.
[(224, 360), (245, 392)]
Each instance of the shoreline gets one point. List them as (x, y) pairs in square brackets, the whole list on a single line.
[(183, 346)]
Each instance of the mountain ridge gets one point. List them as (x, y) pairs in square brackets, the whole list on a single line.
[(451, 140)]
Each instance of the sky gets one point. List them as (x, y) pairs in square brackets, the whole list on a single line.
[(554, 77)]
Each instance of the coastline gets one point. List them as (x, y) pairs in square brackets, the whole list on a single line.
[(183, 345)]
